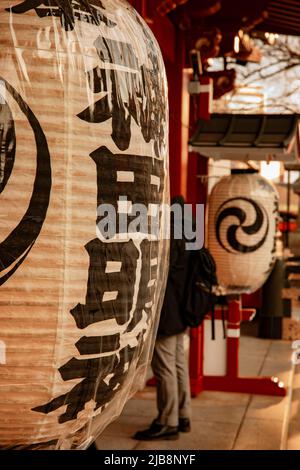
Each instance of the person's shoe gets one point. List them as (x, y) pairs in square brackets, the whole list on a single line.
[(157, 431), (184, 425)]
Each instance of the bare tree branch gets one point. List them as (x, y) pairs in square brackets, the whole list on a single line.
[(271, 86), (284, 54)]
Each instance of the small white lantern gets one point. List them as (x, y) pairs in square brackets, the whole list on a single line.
[(243, 213)]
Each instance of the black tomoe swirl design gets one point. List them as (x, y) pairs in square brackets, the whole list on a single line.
[(7, 143), (16, 246), (241, 215)]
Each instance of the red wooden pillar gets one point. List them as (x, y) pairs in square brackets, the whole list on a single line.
[(197, 194), (174, 70), (196, 360)]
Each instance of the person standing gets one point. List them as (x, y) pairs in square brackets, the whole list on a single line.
[(169, 363)]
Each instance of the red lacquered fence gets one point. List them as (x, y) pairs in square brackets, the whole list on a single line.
[(234, 314)]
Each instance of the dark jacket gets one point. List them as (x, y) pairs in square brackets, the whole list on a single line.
[(171, 314)]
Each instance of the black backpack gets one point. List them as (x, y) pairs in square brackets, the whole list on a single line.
[(199, 298)]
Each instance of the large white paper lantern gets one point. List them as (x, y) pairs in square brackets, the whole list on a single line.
[(243, 213), (83, 122)]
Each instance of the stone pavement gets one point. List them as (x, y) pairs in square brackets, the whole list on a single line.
[(224, 421)]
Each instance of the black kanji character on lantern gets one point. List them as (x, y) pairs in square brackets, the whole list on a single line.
[(136, 93), (112, 266), (102, 378), (111, 285), (67, 10), (147, 283), (137, 177), (111, 282)]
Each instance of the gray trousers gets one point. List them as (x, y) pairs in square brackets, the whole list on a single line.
[(170, 368)]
